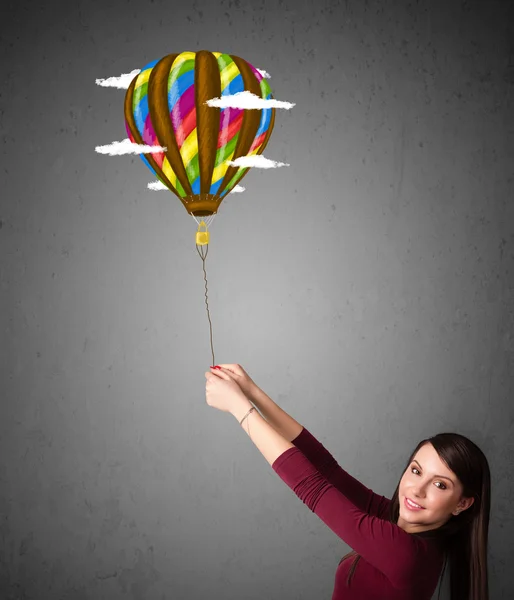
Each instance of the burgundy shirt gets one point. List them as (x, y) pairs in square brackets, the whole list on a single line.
[(394, 564)]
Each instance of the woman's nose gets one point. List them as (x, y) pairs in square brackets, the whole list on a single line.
[(419, 489)]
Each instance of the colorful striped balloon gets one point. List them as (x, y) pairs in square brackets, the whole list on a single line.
[(165, 106)]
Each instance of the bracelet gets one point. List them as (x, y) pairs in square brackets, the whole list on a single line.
[(241, 421)]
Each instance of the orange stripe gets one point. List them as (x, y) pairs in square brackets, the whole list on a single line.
[(257, 142)]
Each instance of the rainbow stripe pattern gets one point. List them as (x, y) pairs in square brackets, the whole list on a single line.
[(165, 105)]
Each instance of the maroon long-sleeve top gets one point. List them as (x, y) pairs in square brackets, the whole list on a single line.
[(394, 564)]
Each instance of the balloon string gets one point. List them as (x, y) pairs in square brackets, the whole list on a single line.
[(206, 302)]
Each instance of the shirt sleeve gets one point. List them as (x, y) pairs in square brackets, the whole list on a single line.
[(383, 544), (363, 498)]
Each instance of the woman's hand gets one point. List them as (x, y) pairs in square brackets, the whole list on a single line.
[(241, 377), (222, 391)]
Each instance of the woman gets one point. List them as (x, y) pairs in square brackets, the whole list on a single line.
[(398, 548)]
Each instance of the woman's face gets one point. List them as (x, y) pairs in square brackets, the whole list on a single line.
[(429, 483)]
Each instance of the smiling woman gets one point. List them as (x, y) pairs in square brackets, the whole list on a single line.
[(400, 550), (438, 496), (448, 479)]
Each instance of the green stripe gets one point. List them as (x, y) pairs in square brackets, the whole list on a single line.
[(181, 190), (236, 178), (225, 151), (265, 89), (139, 92), (224, 60), (193, 169), (176, 72)]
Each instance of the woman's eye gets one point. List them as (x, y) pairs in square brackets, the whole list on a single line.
[(441, 488)]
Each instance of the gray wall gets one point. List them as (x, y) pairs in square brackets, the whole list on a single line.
[(368, 288)]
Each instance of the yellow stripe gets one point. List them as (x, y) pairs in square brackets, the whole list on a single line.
[(168, 171), (220, 171), (189, 147), (229, 72), (182, 58), (143, 77), (166, 167)]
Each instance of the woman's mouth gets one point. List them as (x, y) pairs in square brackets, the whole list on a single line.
[(412, 505)]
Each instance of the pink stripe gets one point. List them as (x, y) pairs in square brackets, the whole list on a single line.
[(227, 134), (158, 157), (149, 136), (183, 107), (228, 116), (256, 73), (225, 119), (233, 115)]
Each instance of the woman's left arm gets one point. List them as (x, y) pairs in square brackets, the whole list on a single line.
[(263, 435)]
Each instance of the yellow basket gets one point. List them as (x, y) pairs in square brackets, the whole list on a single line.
[(202, 237)]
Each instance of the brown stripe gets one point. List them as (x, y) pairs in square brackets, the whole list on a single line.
[(251, 120), (129, 117), (161, 118), (207, 86)]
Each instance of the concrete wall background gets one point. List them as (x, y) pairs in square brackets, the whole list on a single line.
[(368, 288)]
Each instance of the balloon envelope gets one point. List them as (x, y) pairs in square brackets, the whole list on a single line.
[(165, 105)]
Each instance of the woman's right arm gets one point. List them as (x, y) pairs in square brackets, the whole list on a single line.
[(362, 496)]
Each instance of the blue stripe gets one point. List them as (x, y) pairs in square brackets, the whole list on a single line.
[(141, 110), (150, 65), (179, 86), (235, 86), (265, 120), (140, 114), (216, 186), (196, 186)]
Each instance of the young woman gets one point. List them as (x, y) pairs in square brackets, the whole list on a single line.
[(439, 510)]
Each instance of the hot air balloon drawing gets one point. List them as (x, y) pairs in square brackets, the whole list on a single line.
[(166, 105), (192, 115)]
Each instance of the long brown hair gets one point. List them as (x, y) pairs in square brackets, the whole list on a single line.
[(464, 536)]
